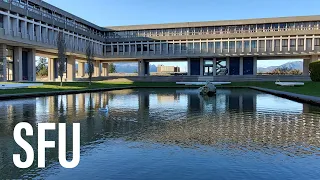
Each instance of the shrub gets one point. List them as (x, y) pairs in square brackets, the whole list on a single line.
[(314, 69)]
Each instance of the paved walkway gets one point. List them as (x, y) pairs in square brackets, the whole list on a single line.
[(293, 96)]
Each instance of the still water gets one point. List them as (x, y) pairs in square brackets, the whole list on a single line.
[(171, 134)]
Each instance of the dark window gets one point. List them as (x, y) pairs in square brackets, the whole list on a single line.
[(300, 42), (292, 43), (138, 47)]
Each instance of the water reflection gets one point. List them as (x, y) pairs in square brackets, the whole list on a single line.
[(237, 118)]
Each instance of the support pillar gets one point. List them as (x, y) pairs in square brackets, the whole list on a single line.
[(201, 67), (241, 66), (81, 67), (141, 67), (105, 69), (6, 24), (51, 70), (31, 65), (3, 62), (228, 64), (189, 67), (255, 64), (306, 63), (17, 61), (97, 69), (71, 68), (214, 67)]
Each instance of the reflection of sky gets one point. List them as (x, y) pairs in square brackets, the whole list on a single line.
[(169, 101), (128, 101), (270, 102)]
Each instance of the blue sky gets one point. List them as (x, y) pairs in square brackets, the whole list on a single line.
[(129, 12)]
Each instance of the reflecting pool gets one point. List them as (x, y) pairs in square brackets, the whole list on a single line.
[(171, 134)]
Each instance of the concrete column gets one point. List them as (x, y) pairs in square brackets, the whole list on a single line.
[(15, 26), (31, 65), (201, 66), (3, 62), (214, 67), (51, 70), (17, 60), (71, 68), (81, 67), (24, 31), (38, 33), (189, 67), (241, 66), (306, 63), (6, 24), (255, 63), (97, 69), (228, 64), (105, 69), (31, 31), (141, 67)]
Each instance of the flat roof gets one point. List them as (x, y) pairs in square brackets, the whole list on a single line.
[(216, 23)]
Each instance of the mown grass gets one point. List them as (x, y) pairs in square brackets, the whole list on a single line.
[(310, 88), (67, 86)]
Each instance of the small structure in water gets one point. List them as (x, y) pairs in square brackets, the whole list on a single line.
[(209, 89)]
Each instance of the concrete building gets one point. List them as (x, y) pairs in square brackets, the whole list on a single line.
[(167, 69), (217, 48)]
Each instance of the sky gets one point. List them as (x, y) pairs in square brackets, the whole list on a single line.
[(131, 12)]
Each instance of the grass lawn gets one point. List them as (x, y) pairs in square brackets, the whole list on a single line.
[(310, 88), (55, 86)]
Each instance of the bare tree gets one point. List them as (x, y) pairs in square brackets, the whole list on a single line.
[(61, 45), (89, 57)]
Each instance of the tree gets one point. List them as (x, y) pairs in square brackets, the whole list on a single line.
[(112, 68), (89, 57), (61, 45), (42, 68)]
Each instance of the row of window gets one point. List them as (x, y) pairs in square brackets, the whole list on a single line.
[(216, 30), (197, 46), (53, 15)]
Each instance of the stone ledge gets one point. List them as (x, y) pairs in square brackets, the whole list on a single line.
[(292, 96)]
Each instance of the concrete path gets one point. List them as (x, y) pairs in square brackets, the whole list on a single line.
[(293, 96)]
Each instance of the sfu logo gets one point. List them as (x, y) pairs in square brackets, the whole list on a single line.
[(43, 144)]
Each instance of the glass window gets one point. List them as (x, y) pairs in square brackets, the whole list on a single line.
[(239, 44), (232, 45), (176, 47), (120, 48), (269, 43), (108, 49), (292, 42), (203, 46), (317, 42), (138, 47), (218, 45), (190, 46), (183, 46), (261, 44), (164, 47), (246, 44), (300, 42), (151, 47), (157, 47), (1, 21), (254, 44), (225, 45), (275, 26), (133, 48), (267, 26), (126, 48), (277, 43), (197, 46), (210, 45), (284, 43), (115, 48), (170, 47)]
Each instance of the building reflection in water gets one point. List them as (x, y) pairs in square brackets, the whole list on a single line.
[(239, 114)]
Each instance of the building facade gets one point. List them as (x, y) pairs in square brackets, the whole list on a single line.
[(29, 28)]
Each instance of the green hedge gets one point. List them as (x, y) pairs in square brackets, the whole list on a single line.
[(314, 69)]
